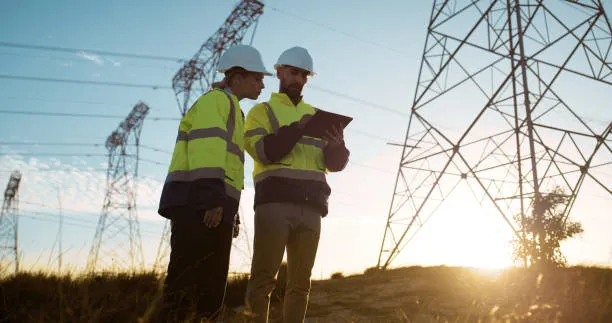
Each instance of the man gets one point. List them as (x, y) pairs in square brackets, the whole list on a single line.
[(291, 191), (203, 187)]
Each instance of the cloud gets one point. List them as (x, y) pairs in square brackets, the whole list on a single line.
[(81, 189), (91, 57)]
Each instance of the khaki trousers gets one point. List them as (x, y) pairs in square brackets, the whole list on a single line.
[(278, 226)]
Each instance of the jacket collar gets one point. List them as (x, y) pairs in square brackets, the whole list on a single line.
[(284, 98)]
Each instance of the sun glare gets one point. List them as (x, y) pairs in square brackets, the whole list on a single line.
[(462, 233)]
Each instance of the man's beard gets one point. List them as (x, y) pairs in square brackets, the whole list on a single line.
[(292, 90)]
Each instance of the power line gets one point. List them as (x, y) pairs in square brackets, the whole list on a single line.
[(57, 208), (58, 170), (48, 143), (93, 51), (60, 114), (367, 134), (79, 144), (91, 115), (37, 216), (50, 79), (84, 221), (105, 104), (358, 100), (58, 154), (156, 149), (83, 61), (156, 87), (153, 162), (90, 214), (316, 23), (61, 101), (53, 221), (83, 115)]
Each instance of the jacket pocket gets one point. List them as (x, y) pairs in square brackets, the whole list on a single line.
[(287, 160)]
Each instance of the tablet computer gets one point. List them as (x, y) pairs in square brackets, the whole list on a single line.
[(323, 121)]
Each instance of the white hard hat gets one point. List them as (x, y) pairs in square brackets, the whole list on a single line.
[(296, 57), (244, 56)]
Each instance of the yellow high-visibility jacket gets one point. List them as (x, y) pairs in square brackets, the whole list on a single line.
[(207, 167), (289, 167)]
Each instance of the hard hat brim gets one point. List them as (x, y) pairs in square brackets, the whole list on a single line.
[(310, 73), (264, 72)]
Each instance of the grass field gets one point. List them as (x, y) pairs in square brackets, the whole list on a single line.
[(412, 294)]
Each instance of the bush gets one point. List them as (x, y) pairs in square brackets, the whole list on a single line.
[(337, 275)]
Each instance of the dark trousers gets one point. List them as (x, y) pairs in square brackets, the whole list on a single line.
[(197, 272)]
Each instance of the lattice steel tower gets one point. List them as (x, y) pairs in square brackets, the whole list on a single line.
[(196, 76), (117, 243), (9, 220), (495, 107)]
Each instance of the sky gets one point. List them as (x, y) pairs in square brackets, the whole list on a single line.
[(367, 56)]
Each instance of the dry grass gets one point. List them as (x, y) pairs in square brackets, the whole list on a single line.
[(39, 297), (414, 294), (444, 294)]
